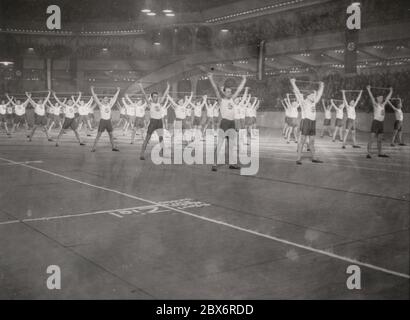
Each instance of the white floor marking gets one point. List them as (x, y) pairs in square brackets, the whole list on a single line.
[(23, 162), (284, 241), (119, 213), (9, 222)]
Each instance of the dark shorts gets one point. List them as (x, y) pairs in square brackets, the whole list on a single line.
[(9, 117), (180, 124), (339, 122), (197, 121), (238, 124), (139, 122), (350, 124), (131, 119), (308, 127), (293, 122), (83, 118), (19, 119), (105, 125), (154, 124), (70, 123), (377, 127), (227, 124), (326, 122), (248, 121), (2, 117), (40, 120), (123, 116), (56, 118), (287, 120), (398, 125)]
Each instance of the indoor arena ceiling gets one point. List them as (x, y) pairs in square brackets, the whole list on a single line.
[(105, 10)]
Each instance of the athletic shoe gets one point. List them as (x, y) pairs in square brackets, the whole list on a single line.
[(356, 147), (82, 144), (214, 168), (317, 161), (392, 144), (402, 144), (92, 150), (115, 149), (299, 162), (50, 139), (142, 157), (383, 156), (343, 147), (368, 156), (234, 166)]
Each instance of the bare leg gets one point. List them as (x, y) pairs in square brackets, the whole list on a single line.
[(335, 134), (369, 144), (393, 140), (144, 146), (345, 138), (134, 132), (78, 138), (112, 141), (301, 142), (32, 133), (96, 141), (379, 143)]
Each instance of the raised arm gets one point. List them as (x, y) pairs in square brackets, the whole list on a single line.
[(47, 98), (214, 86), (125, 102), (77, 101), (115, 97), (96, 99), (334, 104), (128, 99), (344, 98), (165, 94), (324, 105), (358, 98), (319, 93), (204, 100), (298, 94), (389, 96), (371, 95), (240, 88), (28, 94), (89, 102), (62, 103), (172, 102), (10, 99), (392, 105), (189, 100)]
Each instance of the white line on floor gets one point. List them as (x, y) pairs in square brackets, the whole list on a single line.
[(23, 162), (284, 241)]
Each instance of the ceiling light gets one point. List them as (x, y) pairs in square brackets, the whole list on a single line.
[(151, 14), (145, 10), (170, 14), (167, 11)]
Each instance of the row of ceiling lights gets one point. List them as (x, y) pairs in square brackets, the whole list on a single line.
[(167, 12), (254, 10)]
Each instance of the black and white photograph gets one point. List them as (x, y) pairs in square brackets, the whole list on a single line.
[(194, 150)]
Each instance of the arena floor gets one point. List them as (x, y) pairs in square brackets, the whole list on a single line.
[(290, 232)]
